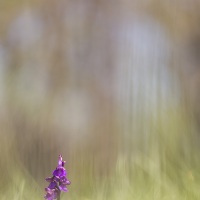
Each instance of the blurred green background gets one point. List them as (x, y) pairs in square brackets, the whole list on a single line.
[(113, 86)]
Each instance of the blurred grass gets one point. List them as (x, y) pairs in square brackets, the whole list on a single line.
[(168, 170), (140, 182)]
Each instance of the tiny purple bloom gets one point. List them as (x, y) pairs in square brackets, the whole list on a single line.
[(58, 181), (51, 193), (52, 185), (49, 179), (60, 171)]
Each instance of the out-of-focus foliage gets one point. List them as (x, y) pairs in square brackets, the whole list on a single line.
[(111, 85)]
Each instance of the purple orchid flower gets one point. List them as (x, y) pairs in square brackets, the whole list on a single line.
[(58, 182)]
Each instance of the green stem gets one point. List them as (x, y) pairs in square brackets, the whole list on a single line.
[(58, 198)]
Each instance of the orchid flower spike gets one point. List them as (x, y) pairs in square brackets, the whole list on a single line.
[(58, 182)]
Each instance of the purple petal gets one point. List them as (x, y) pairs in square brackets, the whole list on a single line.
[(60, 161), (60, 171), (51, 194), (63, 188), (57, 178), (63, 163), (47, 189), (52, 185), (49, 179), (64, 181)]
